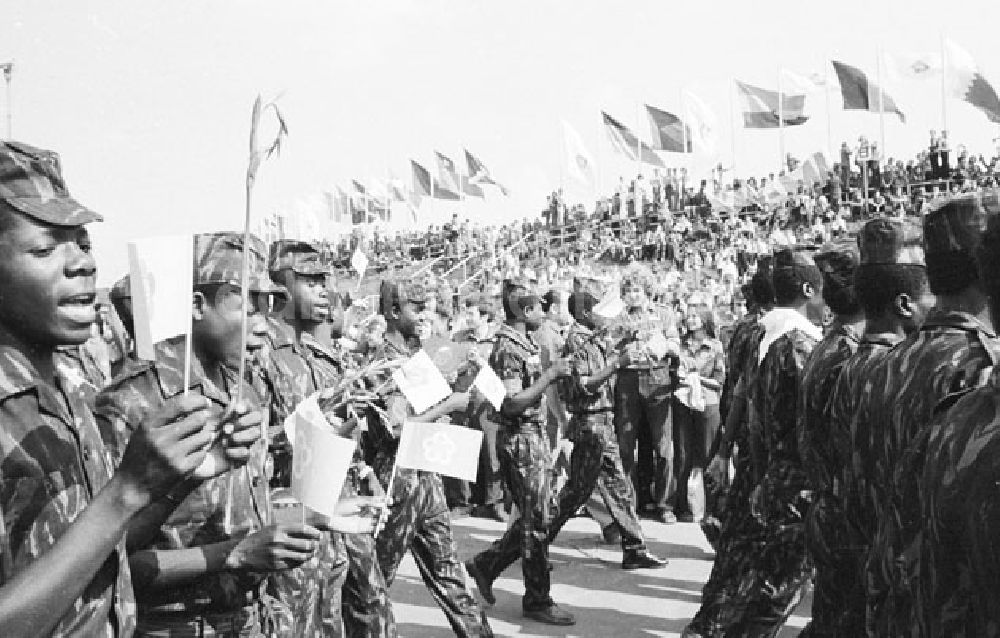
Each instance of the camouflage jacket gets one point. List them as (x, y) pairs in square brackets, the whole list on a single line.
[(52, 463), (851, 436), (741, 347), (588, 353), (518, 357), (79, 367), (951, 353), (959, 551), (817, 445), (775, 395), (228, 507)]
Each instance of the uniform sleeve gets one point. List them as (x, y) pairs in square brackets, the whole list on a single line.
[(571, 389), (507, 365)]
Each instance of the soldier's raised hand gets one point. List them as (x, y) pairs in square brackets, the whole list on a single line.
[(275, 548), (235, 434)]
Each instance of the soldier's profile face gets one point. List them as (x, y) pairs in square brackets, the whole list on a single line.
[(48, 281), (309, 296)]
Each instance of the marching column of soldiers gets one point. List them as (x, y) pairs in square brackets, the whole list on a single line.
[(859, 415)]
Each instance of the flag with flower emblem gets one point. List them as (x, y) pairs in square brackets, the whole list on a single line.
[(452, 450)]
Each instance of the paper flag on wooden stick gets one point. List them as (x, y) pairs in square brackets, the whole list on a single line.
[(491, 386), (307, 409), (421, 382), (320, 460), (160, 270), (452, 450)]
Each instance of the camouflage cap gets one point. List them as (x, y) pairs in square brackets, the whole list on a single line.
[(122, 288), (218, 259), (956, 224), (405, 290), (31, 183), (792, 258), (301, 257), (839, 257), (516, 289), (889, 242)]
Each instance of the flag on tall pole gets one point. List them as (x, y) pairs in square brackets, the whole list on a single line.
[(668, 132), (479, 174), (907, 65), (861, 94), (763, 109), (626, 142), (967, 83), (428, 187), (579, 162), (702, 125)]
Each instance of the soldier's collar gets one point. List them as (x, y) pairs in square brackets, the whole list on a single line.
[(846, 330), (169, 369), (18, 375), (525, 341), (279, 333), (955, 319)]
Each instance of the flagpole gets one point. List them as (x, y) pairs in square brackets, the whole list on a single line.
[(638, 156), (781, 125), (8, 71), (881, 98), (826, 98), (944, 85), (600, 162), (732, 123)]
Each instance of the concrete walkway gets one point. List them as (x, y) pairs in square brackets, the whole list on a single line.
[(588, 581)]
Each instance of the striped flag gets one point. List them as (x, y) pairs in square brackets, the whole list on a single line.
[(669, 132), (479, 174), (425, 186), (968, 84), (626, 143), (760, 108), (861, 94)]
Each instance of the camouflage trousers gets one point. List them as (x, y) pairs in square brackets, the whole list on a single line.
[(595, 462), (340, 591), (419, 522), (838, 607), (243, 624), (525, 465), (306, 601), (725, 595), (781, 568)]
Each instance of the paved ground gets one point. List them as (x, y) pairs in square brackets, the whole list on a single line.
[(588, 581)]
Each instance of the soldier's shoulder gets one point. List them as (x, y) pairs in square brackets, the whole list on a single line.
[(130, 392)]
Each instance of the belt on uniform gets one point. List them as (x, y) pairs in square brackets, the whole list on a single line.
[(194, 625)]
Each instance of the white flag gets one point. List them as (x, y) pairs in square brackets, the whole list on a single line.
[(421, 382), (905, 65), (359, 261), (160, 270), (320, 461), (579, 161), (966, 82), (491, 386), (452, 450), (797, 84), (704, 125)]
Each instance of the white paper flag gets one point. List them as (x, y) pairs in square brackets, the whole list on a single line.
[(161, 278), (421, 382), (452, 450), (491, 386), (307, 409), (319, 463), (610, 307), (359, 261)]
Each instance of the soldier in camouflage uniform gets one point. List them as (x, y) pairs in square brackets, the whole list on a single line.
[(524, 458), (722, 499), (65, 507), (953, 351), (891, 285), (643, 395), (958, 571), (764, 566), (343, 582), (819, 453), (418, 520), (595, 461), (180, 593)]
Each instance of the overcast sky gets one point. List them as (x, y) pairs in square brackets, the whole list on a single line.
[(149, 103)]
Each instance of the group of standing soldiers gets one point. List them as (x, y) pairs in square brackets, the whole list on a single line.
[(864, 457)]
